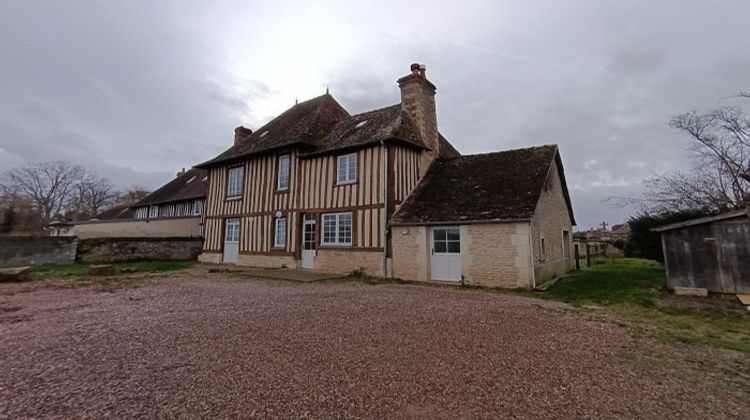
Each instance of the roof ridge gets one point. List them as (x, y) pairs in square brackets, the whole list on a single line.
[(497, 152)]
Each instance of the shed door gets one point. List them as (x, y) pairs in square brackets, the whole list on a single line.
[(231, 240), (733, 257), (445, 261)]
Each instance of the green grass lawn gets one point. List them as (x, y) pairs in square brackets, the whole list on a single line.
[(47, 271), (633, 291), (624, 280)]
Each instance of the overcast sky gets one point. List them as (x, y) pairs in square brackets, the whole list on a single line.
[(135, 90)]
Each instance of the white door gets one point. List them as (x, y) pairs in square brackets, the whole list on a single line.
[(308, 241), (231, 240), (445, 261)]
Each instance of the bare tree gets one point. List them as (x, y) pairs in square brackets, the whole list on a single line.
[(133, 194), (92, 195), (49, 186), (719, 179)]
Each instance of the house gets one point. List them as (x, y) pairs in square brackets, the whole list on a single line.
[(386, 192), (710, 253), (173, 210)]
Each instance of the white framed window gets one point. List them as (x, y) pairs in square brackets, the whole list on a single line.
[(197, 207), (446, 241), (279, 240), (153, 212), (347, 169), (282, 179), (235, 179), (337, 229)]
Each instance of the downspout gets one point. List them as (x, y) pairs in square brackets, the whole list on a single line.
[(385, 208)]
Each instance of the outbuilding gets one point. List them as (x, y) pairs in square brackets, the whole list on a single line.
[(711, 253)]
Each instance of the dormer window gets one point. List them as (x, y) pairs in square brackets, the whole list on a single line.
[(347, 169)]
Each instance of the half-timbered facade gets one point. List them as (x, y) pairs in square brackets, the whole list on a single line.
[(321, 201), (318, 188)]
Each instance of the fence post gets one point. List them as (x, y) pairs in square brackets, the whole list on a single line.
[(578, 258), (588, 255)]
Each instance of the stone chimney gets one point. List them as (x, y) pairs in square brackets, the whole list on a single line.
[(418, 99), (241, 133), (180, 173)]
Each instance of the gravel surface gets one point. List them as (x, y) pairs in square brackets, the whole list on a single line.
[(196, 345)]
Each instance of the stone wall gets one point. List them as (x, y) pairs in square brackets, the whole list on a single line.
[(345, 261), (29, 250), (181, 227), (410, 253), (104, 250), (266, 261), (492, 255), (550, 220), (497, 255)]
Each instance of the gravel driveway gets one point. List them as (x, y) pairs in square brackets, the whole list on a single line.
[(199, 345)]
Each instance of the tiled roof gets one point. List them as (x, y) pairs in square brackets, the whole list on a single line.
[(190, 185), (502, 186), (321, 125), (120, 211), (368, 128), (306, 122)]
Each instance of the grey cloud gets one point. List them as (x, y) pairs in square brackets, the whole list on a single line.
[(138, 90)]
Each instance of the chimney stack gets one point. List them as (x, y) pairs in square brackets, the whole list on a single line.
[(418, 99), (180, 173), (241, 133)]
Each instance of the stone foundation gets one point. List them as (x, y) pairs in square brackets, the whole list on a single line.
[(210, 257), (266, 261), (345, 261)]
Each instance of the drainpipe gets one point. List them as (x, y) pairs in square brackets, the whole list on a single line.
[(385, 208)]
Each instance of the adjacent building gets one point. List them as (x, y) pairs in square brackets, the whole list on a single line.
[(173, 210), (385, 192)]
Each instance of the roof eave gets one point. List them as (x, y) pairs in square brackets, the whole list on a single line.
[(703, 220), (461, 222)]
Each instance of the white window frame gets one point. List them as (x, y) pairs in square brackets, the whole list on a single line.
[(197, 207), (344, 164), (235, 183), (279, 241), (337, 232), (287, 174), (153, 212)]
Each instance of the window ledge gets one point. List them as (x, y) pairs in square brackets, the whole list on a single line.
[(234, 198), (339, 184)]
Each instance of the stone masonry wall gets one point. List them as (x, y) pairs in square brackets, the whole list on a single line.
[(22, 250), (549, 222), (410, 260), (346, 261), (105, 250), (266, 261), (497, 255)]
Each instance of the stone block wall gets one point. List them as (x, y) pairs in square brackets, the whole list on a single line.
[(106, 250), (550, 220), (30, 250), (497, 255), (345, 261), (265, 261)]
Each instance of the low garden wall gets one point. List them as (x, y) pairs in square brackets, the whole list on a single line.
[(104, 250), (35, 250)]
